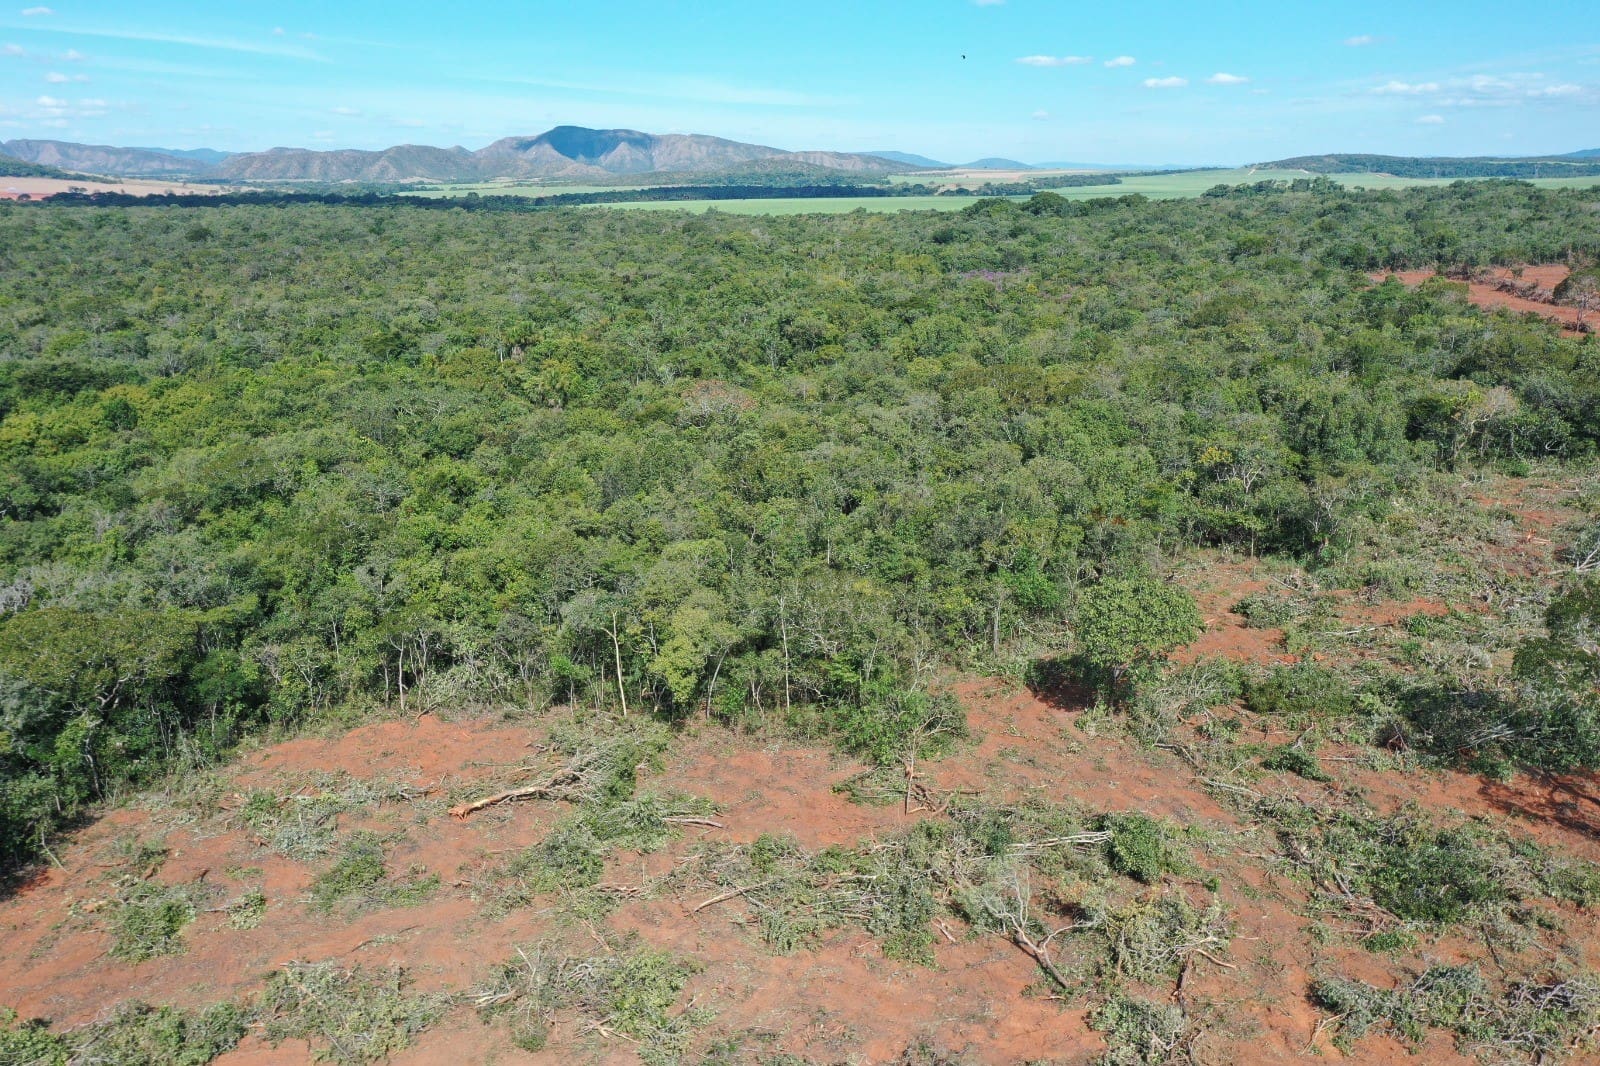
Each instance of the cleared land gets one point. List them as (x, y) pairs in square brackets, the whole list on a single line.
[(38, 188)]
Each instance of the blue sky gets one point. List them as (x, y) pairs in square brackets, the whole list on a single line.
[(1132, 82)]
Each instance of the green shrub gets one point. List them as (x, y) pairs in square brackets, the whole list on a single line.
[(1140, 1032), (631, 991), (1293, 759), (1523, 1021), (148, 920), (1302, 692), (1139, 847), (360, 876)]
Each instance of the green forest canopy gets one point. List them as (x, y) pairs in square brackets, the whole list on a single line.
[(260, 463)]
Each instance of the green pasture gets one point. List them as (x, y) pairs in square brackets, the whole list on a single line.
[(1158, 186)]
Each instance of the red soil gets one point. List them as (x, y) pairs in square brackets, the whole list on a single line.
[(843, 1000), (1485, 295)]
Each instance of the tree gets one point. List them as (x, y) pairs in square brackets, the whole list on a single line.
[(1129, 621), (1581, 289)]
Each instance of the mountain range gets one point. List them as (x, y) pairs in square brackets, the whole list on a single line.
[(575, 153), (566, 152)]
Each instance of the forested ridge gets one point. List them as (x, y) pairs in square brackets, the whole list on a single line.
[(261, 465)]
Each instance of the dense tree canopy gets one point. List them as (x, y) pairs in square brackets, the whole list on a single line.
[(257, 462)]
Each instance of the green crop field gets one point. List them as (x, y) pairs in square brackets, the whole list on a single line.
[(1171, 186)]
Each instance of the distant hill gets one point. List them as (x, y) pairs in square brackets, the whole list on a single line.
[(209, 156), (106, 159), (1121, 168), (1587, 153), (912, 160), (406, 162), (566, 153), (1577, 165), (12, 167), (994, 163)]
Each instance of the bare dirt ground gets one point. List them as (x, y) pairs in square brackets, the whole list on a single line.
[(1485, 295), (842, 1000)]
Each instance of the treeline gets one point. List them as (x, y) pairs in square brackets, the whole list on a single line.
[(12, 167), (494, 202), (1031, 185), (1425, 167), (503, 202), (266, 464)]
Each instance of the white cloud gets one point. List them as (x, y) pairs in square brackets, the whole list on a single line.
[(92, 103), (1165, 83), (50, 101), (1220, 78), (72, 55), (1401, 88), (277, 31), (347, 111), (1055, 61), (34, 12), (220, 44), (1121, 61), (12, 50), (1361, 40), (55, 77), (1513, 90), (1430, 120), (1041, 115)]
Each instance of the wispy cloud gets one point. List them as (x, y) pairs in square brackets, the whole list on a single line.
[(1403, 88), (1430, 120), (1360, 40), (220, 44), (1040, 115), (348, 112), (1165, 83), (36, 12), (1220, 78), (1055, 61), (12, 50), (1121, 61), (1492, 90), (55, 77)]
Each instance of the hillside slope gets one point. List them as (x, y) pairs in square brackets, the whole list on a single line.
[(105, 159)]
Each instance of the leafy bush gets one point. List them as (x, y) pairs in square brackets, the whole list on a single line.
[(631, 991), (1524, 1021), (148, 920), (1139, 847), (361, 877), (1292, 759), (1302, 692), (1140, 1032), (1122, 622), (135, 1034)]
